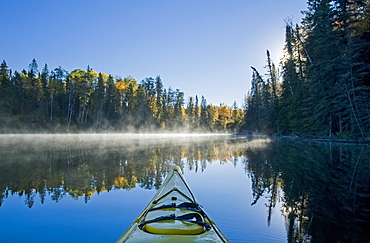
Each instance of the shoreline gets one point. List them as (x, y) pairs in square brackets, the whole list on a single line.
[(304, 138)]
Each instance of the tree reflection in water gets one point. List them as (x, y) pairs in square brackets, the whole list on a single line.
[(81, 168), (324, 188)]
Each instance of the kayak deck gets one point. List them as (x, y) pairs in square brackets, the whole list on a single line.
[(173, 215)]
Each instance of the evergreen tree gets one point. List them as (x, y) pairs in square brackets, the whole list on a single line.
[(98, 99), (323, 71), (112, 101), (272, 93), (6, 94), (203, 112), (4, 76), (19, 93), (290, 112), (351, 108), (142, 115), (44, 76), (35, 89), (131, 98), (254, 114), (237, 118), (178, 108), (190, 112), (158, 111), (58, 101), (33, 69), (44, 79), (197, 110)]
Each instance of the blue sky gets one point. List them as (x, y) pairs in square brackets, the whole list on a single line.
[(202, 47)]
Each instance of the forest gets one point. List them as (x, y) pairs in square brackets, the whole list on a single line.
[(323, 86), (320, 88), (81, 100)]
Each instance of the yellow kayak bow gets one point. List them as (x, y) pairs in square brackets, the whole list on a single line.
[(173, 215)]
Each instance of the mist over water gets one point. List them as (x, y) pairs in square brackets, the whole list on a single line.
[(105, 136), (100, 140)]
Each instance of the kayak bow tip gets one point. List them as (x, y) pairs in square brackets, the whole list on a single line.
[(177, 168)]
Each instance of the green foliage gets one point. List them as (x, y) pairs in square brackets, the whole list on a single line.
[(262, 104), (325, 86), (61, 101)]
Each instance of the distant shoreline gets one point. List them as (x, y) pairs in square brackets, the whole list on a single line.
[(303, 138)]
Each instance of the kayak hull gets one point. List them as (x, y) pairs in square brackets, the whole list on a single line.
[(173, 215)]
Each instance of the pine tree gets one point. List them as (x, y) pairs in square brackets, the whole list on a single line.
[(190, 112), (197, 110), (254, 114), (237, 118), (58, 100), (178, 108), (112, 101), (203, 113), (33, 69), (272, 93), (142, 115), (98, 99), (335, 88), (322, 45), (4, 76), (36, 89), (351, 94), (158, 112), (290, 112), (6, 90)]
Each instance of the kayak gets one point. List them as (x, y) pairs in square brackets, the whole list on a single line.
[(173, 215)]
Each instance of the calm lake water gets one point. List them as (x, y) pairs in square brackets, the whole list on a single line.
[(75, 188)]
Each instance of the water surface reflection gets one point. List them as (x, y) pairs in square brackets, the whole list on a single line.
[(322, 191)]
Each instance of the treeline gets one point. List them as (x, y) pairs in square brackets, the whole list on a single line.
[(325, 72), (58, 100)]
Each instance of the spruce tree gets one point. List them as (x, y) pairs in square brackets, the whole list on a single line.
[(4, 76), (322, 46), (290, 112), (112, 101)]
